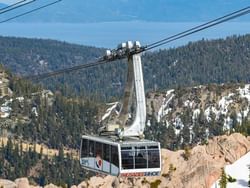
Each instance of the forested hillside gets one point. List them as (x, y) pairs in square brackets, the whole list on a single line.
[(33, 115), (40, 116), (62, 170), (215, 61), (203, 62)]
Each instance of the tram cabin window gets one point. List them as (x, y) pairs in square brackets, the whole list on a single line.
[(114, 156), (91, 148), (114, 164), (98, 149), (141, 157), (84, 152), (127, 155), (153, 157), (106, 152)]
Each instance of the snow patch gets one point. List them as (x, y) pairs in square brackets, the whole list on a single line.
[(239, 118), (189, 103), (163, 111), (20, 99), (224, 103), (196, 114), (167, 123), (148, 123), (245, 92), (5, 109), (34, 111), (178, 125), (110, 110), (227, 123), (210, 110), (7, 102), (175, 62), (245, 112), (207, 133), (198, 87), (239, 171)]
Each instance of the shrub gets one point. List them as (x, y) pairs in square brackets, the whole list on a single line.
[(155, 184), (230, 179), (186, 153)]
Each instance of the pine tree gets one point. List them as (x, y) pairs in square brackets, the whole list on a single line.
[(1, 161), (185, 135), (8, 149), (223, 179), (249, 176), (41, 153)]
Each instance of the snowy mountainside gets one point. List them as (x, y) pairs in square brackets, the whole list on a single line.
[(186, 116), (218, 100), (226, 105)]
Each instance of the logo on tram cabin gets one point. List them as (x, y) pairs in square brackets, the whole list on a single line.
[(139, 174), (98, 161)]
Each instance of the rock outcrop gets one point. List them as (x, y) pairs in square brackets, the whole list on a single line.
[(18, 183), (22, 183), (7, 183), (203, 167)]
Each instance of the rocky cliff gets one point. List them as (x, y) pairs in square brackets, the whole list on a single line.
[(198, 167)]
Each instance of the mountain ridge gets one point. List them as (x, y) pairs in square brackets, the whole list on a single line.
[(198, 63)]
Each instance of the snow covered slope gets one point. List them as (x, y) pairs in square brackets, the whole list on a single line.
[(238, 170), (211, 107)]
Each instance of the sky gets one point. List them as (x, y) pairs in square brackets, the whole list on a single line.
[(8, 1), (92, 11)]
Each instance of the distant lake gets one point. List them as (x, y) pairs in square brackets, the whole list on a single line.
[(109, 34)]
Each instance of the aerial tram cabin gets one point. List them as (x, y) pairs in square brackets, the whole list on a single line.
[(120, 149), (130, 158)]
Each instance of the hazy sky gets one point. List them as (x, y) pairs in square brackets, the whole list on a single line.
[(91, 11), (8, 1)]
